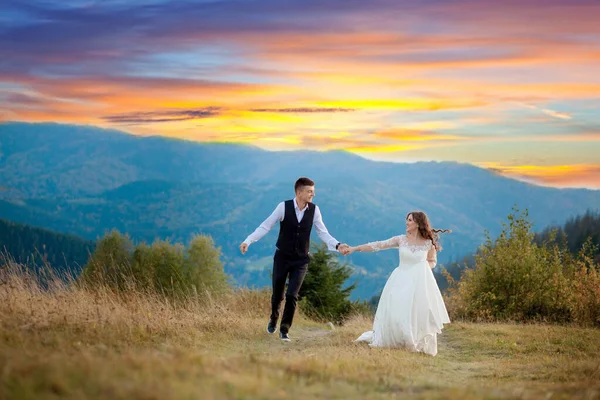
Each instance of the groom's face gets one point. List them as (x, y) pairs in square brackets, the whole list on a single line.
[(306, 193)]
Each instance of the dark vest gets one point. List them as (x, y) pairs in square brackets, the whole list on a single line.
[(294, 236)]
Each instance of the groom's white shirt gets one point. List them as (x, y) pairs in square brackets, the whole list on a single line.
[(279, 214)]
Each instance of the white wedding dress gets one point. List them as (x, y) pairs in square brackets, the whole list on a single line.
[(411, 311)]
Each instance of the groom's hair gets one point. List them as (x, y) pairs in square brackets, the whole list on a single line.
[(303, 182)]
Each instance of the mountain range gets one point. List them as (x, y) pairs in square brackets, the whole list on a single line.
[(85, 180)]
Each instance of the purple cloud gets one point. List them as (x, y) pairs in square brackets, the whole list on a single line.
[(118, 37), (135, 118), (23, 99)]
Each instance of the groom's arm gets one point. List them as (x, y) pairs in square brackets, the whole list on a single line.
[(267, 225), (322, 231)]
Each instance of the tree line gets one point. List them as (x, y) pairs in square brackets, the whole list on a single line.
[(34, 246)]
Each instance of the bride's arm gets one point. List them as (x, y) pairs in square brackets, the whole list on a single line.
[(376, 246), (432, 257)]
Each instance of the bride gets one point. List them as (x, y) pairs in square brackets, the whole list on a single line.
[(411, 311)]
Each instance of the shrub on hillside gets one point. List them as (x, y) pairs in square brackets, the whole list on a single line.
[(110, 263), (514, 278), (204, 267), (585, 287), (162, 267)]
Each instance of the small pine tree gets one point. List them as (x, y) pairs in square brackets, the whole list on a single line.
[(322, 296)]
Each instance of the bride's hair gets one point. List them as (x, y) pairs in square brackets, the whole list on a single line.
[(425, 228)]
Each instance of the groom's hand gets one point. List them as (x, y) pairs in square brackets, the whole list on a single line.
[(342, 248), (348, 250), (243, 248)]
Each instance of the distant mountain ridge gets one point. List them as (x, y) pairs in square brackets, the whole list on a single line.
[(86, 180)]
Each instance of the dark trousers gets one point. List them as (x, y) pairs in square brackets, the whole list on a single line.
[(295, 268)]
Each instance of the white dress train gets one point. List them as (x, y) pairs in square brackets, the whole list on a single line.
[(411, 311)]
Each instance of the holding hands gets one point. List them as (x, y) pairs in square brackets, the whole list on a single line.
[(345, 249), (342, 248)]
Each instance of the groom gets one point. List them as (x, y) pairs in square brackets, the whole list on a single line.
[(296, 218)]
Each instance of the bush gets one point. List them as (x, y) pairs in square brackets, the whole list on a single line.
[(159, 268), (110, 263), (516, 279), (204, 267), (585, 287), (163, 267)]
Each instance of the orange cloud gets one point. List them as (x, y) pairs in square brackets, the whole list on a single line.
[(576, 175), (401, 50)]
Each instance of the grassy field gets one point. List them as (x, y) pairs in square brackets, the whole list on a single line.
[(77, 344)]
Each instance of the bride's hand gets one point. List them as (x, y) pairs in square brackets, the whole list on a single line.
[(348, 250)]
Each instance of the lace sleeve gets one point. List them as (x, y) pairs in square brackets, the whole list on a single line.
[(432, 256), (385, 244)]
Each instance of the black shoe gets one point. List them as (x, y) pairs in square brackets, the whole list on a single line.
[(284, 337), (272, 327)]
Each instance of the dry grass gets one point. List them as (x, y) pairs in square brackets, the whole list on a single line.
[(74, 343)]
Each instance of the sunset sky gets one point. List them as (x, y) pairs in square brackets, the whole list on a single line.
[(513, 86)]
